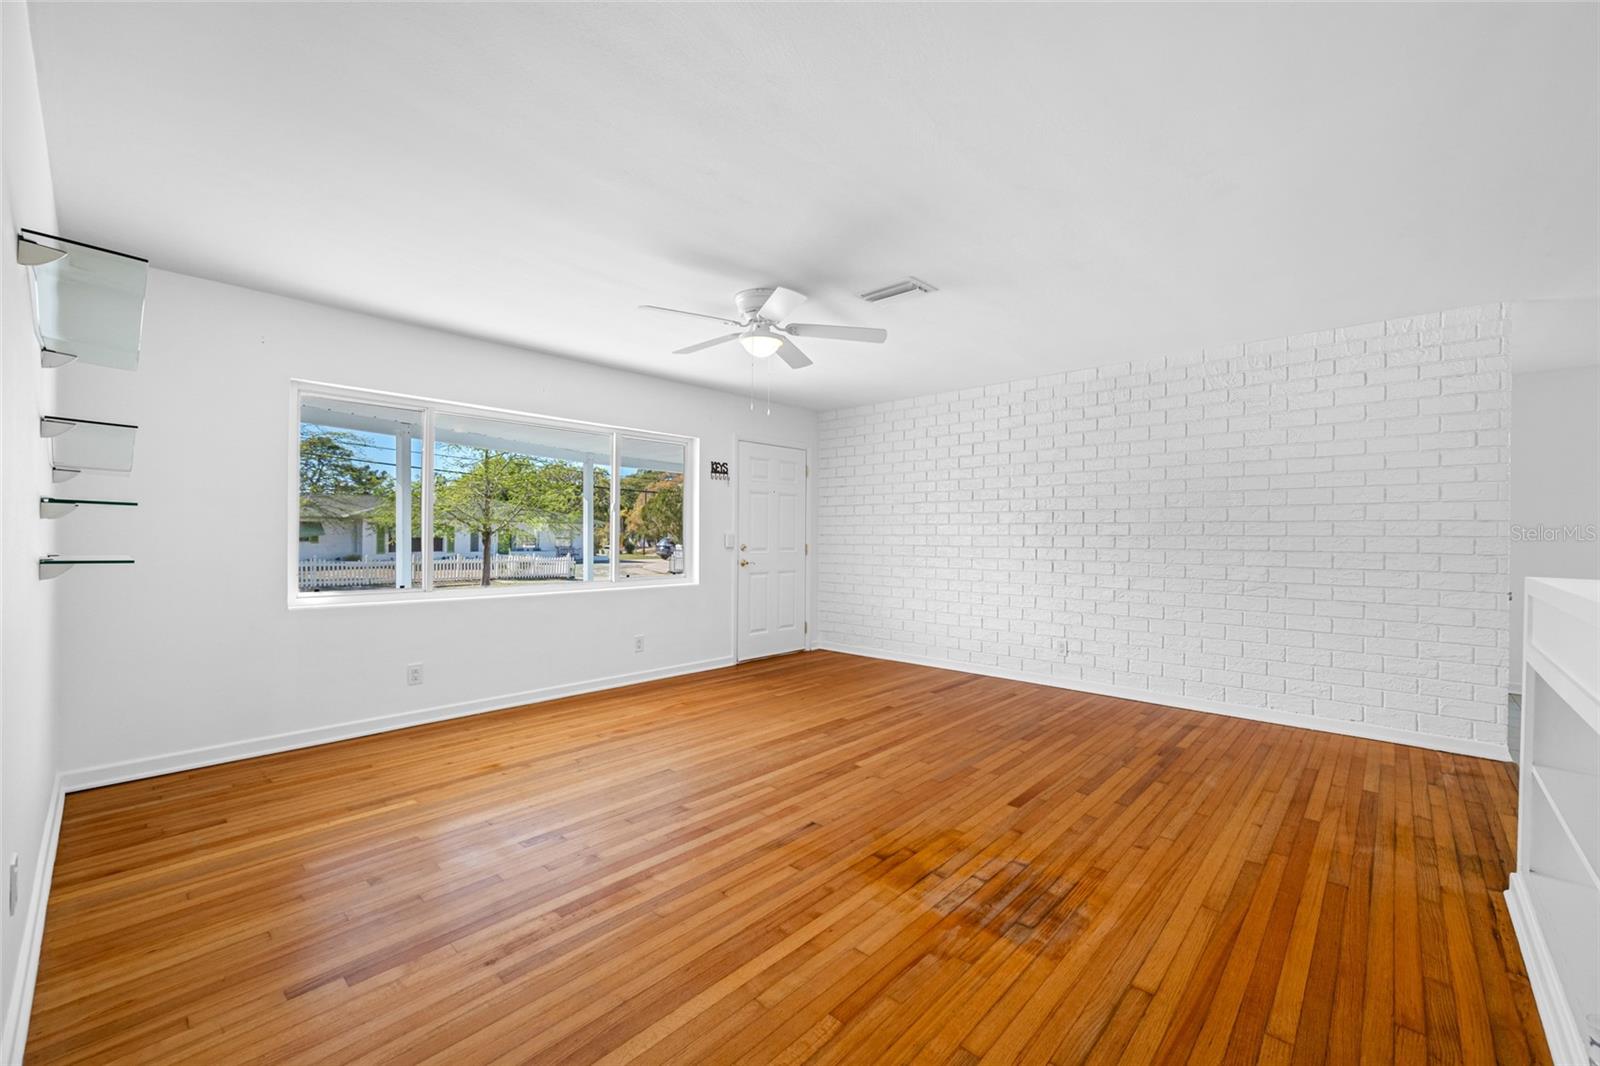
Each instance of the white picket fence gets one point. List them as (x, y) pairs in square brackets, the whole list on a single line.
[(325, 574), (455, 569)]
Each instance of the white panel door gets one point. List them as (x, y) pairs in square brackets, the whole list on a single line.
[(772, 549)]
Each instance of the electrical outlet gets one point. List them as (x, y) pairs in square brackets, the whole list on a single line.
[(1067, 648), (14, 883), (414, 674), (638, 644)]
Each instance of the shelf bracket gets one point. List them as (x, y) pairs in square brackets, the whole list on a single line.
[(59, 474), (32, 253), (49, 358), (55, 508), (54, 427)]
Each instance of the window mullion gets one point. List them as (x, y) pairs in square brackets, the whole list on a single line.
[(615, 509), (426, 515)]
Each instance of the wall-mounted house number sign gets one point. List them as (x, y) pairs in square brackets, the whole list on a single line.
[(719, 470)]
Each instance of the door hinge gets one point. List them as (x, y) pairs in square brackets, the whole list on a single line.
[(808, 549), (807, 626), (808, 470)]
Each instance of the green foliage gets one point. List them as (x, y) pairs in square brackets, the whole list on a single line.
[(633, 484), (652, 507), (328, 466), (502, 494), (492, 496)]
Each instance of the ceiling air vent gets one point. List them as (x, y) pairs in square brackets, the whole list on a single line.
[(903, 287)]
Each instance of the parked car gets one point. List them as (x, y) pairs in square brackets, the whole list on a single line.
[(665, 547)]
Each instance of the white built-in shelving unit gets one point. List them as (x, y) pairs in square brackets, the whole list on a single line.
[(1554, 896)]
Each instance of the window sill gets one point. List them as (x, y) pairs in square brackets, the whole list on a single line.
[(320, 600)]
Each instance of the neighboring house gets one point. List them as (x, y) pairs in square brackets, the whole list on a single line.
[(348, 526), (544, 541), (341, 526)]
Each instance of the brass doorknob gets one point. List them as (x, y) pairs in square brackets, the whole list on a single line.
[(744, 562)]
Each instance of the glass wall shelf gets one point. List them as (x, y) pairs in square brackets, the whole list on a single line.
[(88, 302), (58, 506), (79, 444), (56, 565)]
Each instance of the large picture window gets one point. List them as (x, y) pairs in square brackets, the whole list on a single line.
[(403, 496)]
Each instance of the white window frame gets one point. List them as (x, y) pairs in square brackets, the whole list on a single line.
[(302, 390)]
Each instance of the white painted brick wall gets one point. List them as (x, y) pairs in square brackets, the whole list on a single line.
[(1312, 525)]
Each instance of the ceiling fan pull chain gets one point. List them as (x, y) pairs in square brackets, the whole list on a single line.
[(769, 387)]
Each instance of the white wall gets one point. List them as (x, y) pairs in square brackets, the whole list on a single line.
[(1311, 529), (27, 605), (190, 650), (1555, 482)]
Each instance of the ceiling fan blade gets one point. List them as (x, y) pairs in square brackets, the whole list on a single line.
[(781, 304), (703, 345), (838, 333), (691, 314), (793, 356)]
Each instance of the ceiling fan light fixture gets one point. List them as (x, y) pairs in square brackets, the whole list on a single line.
[(760, 343)]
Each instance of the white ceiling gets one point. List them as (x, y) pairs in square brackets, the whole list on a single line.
[(1085, 184)]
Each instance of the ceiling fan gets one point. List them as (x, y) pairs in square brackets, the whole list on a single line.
[(761, 329)]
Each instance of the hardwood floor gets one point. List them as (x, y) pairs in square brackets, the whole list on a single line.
[(817, 859)]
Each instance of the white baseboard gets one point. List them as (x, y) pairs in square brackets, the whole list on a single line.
[(1561, 1029), (134, 769), (14, 1036), (1478, 748)]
